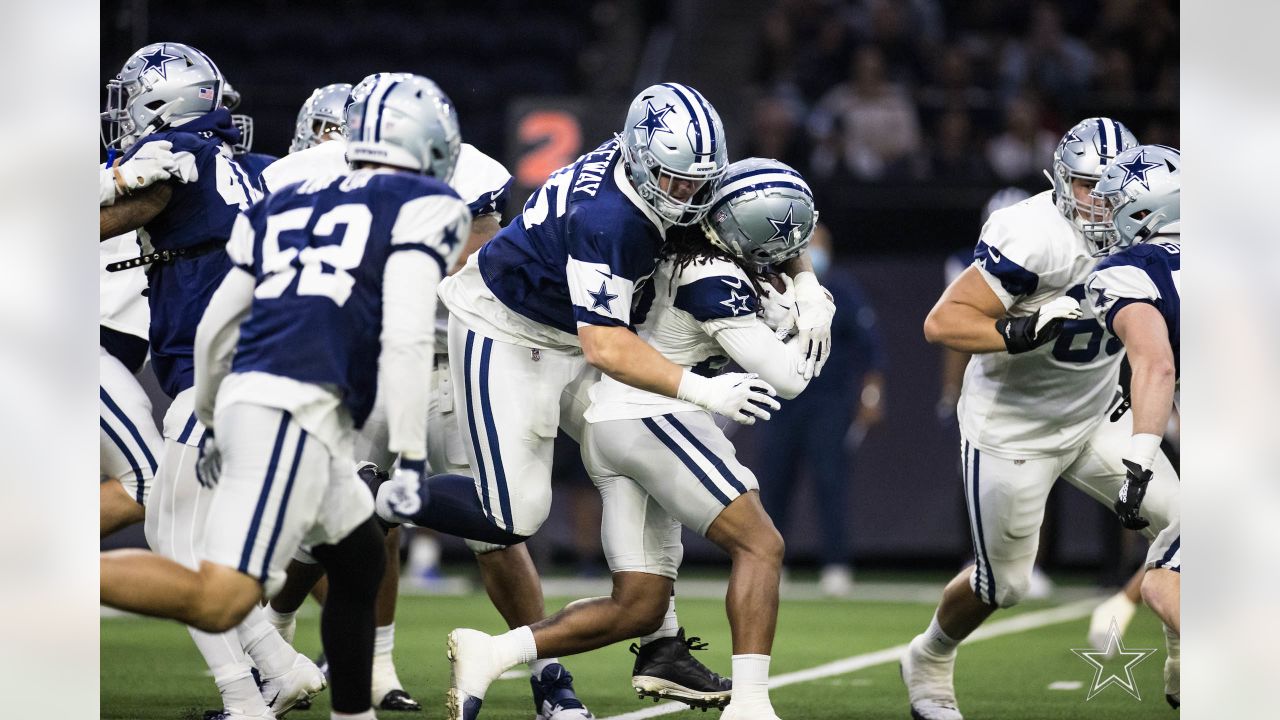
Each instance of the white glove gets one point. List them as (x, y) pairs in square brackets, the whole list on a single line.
[(154, 162), (399, 498), (779, 307), (1065, 308), (208, 461), (741, 397), (814, 310)]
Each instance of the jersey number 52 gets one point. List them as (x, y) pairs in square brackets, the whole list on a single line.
[(281, 265)]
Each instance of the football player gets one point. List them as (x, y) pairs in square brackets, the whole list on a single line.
[(661, 462), (128, 441), (543, 307), (508, 572), (1033, 406), (1137, 292), (334, 281), (171, 93)]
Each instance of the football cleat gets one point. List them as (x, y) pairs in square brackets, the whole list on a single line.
[(666, 670), (930, 687), (1119, 608), (741, 712), (1173, 669), (302, 682), (473, 670), (399, 701), (233, 714), (553, 695)]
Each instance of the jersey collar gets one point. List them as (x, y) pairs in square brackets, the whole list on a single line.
[(624, 184)]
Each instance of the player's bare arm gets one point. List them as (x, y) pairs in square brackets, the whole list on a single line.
[(623, 356), (964, 317), (1145, 335), (483, 228), (133, 211)]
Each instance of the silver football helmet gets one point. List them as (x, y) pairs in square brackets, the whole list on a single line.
[(673, 145), (320, 115), (158, 85), (1083, 153), (405, 121), (242, 122), (1139, 194), (763, 212)]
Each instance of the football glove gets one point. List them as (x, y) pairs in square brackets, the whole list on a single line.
[(1028, 333), (401, 497), (814, 310), (1129, 501), (741, 397), (208, 461), (154, 162), (779, 308)]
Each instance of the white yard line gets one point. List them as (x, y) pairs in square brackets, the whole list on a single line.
[(1008, 626)]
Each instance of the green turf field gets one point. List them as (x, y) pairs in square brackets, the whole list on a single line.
[(150, 669)]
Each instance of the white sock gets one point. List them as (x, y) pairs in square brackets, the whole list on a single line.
[(273, 656), (670, 626), (285, 623), (230, 668), (385, 678), (366, 715), (750, 680), (537, 666), (515, 647), (384, 639), (1173, 642), (937, 641)]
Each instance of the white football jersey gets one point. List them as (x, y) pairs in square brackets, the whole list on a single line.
[(122, 304), (680, 319), (1046, 401)]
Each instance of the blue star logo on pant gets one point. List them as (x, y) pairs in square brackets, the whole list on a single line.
[(601, 298)]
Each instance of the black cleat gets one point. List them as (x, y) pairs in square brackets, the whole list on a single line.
[(399, 701), (666, 670)]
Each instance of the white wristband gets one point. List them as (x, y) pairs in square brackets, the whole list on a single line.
[(1143, 448), (690, 388)]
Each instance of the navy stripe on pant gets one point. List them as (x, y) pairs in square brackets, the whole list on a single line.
[(491, 429), (264, 495), (133, 463), (471, 425), (711, 457), (679, 452), (284, 504), (128, 425)]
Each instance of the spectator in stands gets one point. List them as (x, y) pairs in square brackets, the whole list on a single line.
[(1056, 64), (821, 429), (1018, 154), (776, 132), (867, 125), (952, 156)]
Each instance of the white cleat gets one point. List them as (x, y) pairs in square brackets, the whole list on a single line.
[(930, 686), (233, 714), (752, 712), (303, 681), (1041, 587), (1119, 608), (474, 669)]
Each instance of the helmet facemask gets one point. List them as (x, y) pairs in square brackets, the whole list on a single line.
[(649, 175)]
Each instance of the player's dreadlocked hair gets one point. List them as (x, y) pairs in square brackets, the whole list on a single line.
[(690, 245)]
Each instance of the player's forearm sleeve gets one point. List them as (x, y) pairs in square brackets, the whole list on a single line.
[(216, 338), (408, 334), (756, 349)]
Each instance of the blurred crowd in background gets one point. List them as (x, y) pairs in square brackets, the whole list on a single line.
[(904, 115)]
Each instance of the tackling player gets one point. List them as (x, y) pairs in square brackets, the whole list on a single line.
[(171, 93), (1137, 292), (1035, 394), (334, 281), (660, 462)]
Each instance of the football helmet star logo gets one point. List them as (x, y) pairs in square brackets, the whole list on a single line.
[(156, 60), (783, 228), (653, 122), (1137, 169)]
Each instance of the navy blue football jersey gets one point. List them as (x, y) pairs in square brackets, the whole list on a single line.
[(253, 164), (578, 251), (199, 214), (317, 252), (1148, 272)]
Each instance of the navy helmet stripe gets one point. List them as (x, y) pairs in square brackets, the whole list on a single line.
[(284, 504), (124, 449), (1102, 138), (128, 425), (711, 125), (382, 103), (711, 457), (761, 171), (471, 424), (500, 476), (261, 508), (693, 117), (754, 188), (679, 452)]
